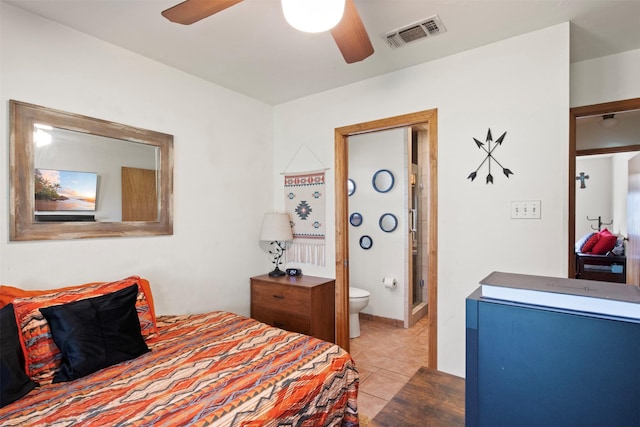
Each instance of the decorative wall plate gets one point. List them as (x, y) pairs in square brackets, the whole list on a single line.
[(355, 219), (388, 222), (383, 181), (351, 187), (366, 242)]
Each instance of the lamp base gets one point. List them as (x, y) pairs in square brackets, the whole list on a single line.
[(276, 273)]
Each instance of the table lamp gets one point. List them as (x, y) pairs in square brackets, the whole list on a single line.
[(276, 228)]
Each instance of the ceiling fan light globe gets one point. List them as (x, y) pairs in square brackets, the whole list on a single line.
[(313, 16), (609, 121)]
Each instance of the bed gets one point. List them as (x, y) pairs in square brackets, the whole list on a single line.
[(215, 368)]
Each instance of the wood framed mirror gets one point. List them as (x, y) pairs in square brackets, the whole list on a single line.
[(75, 177)]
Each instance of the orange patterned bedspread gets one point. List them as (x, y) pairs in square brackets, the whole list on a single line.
[(208, 369)]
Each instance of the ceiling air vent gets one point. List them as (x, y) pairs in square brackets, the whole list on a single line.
[(422, 29)]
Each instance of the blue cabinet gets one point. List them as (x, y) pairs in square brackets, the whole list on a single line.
[(536, 366)]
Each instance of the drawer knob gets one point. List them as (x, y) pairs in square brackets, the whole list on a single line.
[(278, 296)]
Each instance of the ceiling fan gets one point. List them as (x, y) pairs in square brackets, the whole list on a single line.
[(349, 34)]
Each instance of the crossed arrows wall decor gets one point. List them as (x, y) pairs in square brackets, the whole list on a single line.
[(489, 157)]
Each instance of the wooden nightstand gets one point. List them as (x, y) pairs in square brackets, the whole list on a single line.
[(303, 304)]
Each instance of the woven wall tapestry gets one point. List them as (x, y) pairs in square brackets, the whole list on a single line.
[(304, 195)]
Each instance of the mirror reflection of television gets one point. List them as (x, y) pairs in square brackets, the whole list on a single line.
[(62, 190)]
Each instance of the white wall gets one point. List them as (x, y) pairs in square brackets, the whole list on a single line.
[(610, 78), (606, 192), (519, 85), (222, 169), (388, 256), (596, 199), (620, 190)]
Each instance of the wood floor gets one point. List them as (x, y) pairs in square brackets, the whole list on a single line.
[(430, 398)]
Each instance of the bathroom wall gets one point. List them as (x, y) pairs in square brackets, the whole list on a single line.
[(369, 153)]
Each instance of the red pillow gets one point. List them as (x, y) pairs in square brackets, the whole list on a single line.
[(590, 243), (42, 356), (606, 242)]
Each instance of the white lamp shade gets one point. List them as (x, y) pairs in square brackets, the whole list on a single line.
[(276, 227), (313, 16)]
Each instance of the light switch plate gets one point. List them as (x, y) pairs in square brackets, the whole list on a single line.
[(525, 209)]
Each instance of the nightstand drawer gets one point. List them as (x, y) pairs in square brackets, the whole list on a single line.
[(287, 321), (281, 297), (303, 304)]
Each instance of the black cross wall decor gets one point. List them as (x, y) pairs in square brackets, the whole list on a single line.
[(582, 178)]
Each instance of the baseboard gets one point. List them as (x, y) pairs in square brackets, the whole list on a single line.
[(385, 320)]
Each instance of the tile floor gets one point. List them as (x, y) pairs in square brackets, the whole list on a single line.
[(386, 357)]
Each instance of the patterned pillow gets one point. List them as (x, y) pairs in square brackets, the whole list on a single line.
[(9, 293), (42, 356)]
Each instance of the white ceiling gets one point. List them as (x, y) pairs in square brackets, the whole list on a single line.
[(249, 48)]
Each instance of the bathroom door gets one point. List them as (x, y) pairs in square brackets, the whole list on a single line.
[(415, 275), (417, 238)]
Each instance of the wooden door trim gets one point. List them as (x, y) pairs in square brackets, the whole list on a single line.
[(428, 118), (633, 229), (608, 150), (574, 114)]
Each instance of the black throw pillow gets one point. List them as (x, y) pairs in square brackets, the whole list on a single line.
[(95, 333), (14, 382)]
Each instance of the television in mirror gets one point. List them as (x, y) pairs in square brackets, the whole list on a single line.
[(60, 190)]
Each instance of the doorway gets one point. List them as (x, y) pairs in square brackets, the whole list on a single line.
[(633, 260), (426, 120)]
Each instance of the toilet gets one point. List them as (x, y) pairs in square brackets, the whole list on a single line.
[(358, 300)]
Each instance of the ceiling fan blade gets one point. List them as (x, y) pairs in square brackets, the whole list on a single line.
[(191, 11), (351, 36)]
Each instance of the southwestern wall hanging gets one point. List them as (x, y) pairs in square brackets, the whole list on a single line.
[(489, 157), (305, 203)]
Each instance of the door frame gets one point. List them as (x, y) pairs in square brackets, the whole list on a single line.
[(428, 118), (574, 114)]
